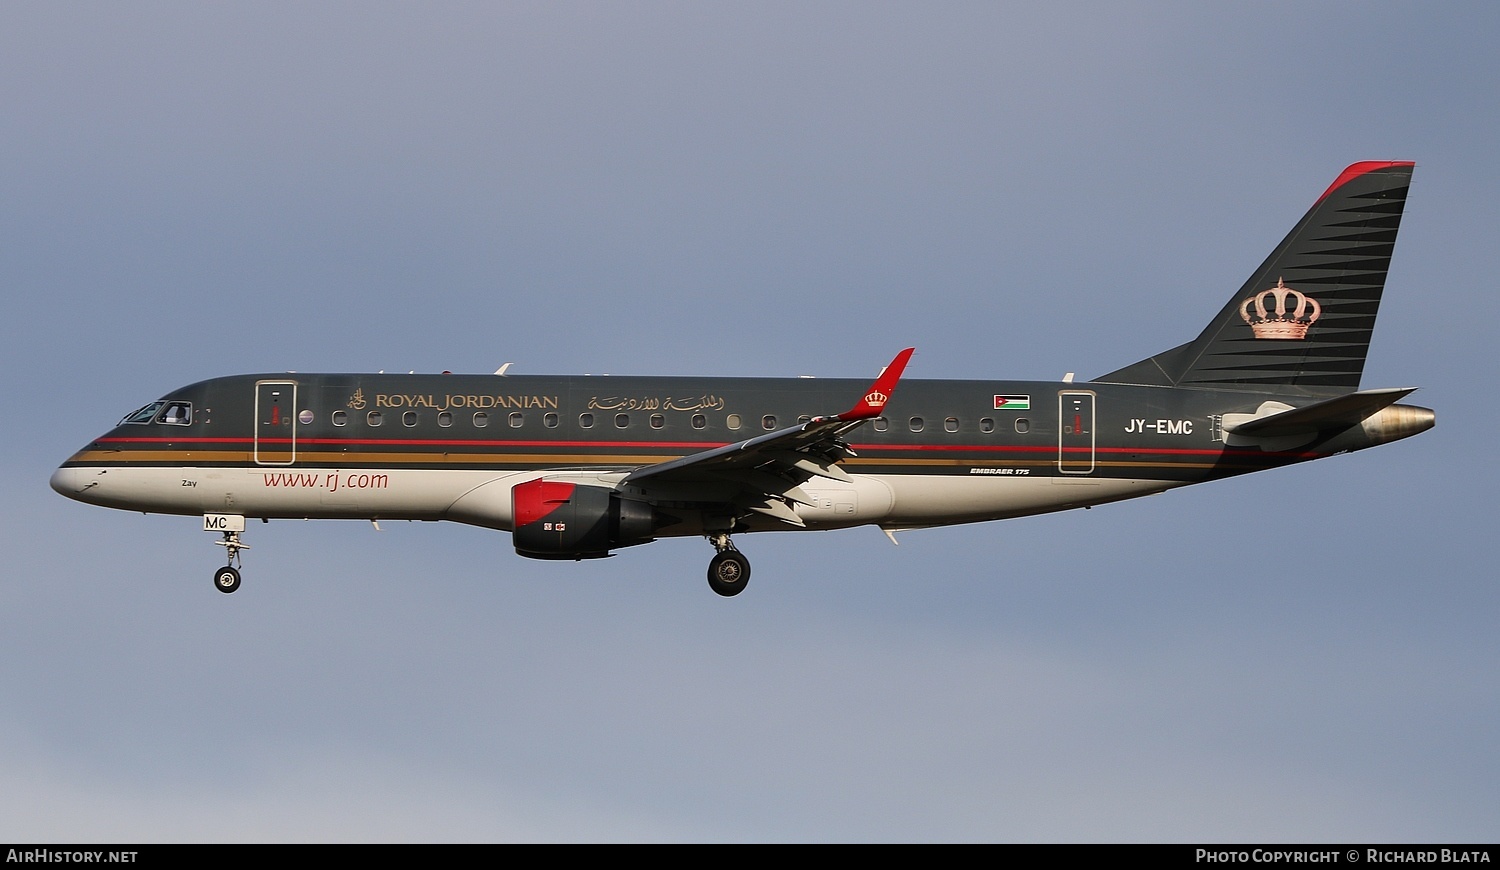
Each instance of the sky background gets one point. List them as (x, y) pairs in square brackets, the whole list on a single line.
[(190, 190)]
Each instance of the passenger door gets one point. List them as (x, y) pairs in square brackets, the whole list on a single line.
[(275, 422), (1075, 432)]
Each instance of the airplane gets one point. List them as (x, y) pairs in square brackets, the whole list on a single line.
[(575, 467)]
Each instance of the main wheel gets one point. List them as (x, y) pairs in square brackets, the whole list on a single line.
[(728, 573), (226, 579)]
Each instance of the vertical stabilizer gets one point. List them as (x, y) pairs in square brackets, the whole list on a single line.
[(1304, 319)]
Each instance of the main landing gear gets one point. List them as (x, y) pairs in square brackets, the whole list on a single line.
[(729, 570), (227, 578)]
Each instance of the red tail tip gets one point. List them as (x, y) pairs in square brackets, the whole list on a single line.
[(1355, 170)]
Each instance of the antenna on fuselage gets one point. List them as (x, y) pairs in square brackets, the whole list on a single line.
[(501, 371)]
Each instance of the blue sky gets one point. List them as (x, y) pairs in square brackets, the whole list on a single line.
[(751, 189)]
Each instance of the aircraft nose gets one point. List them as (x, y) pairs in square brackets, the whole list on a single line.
[(66, 481)]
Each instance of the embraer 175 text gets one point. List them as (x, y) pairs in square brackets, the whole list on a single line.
[(575, 467)]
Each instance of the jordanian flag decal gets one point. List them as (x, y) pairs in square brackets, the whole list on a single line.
[(1012, 403)]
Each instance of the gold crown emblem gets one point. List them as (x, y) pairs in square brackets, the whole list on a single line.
[(1279, 322), (876, 398)]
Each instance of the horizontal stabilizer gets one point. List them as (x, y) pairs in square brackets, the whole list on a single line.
[(1337, 413)]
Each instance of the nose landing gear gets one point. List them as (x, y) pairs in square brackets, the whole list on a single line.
[(729, 570), (227, 578)]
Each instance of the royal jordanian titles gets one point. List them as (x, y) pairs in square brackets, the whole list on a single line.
[(577, 467)]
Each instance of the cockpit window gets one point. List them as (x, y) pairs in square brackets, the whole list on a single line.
[(143, 415), (177, 414)]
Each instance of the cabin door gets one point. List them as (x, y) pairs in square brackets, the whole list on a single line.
[(275, 422), (1075, 432)]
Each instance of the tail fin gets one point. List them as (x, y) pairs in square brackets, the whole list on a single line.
[(1303, 320)]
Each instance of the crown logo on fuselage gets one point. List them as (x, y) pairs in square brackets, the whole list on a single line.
[(1279, 322), (876, 398)]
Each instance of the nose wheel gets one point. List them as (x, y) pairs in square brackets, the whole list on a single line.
[(227, 578), (729, 570)]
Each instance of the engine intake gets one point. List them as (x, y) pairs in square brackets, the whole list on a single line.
[(559, 519)]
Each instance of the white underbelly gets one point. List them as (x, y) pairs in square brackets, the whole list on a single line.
[(483, 497), (921, 500), (283, 492)]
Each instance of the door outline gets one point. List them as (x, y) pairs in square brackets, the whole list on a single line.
[(1076, 431), (282, 412)]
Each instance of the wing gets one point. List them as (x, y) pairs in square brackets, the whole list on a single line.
[(764, 474)]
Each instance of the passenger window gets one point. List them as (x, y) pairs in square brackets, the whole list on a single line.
[(481, 419), (699, 421), (804, 419), (1023, 425), (445, 419), (549, 420), (586, 421), (987, 424), (409, 419), (516, 419), (918, 424), (768, 421), (622, 421), (733, 421), (951, 424), (340, 418), (373, 418), (658, 421), (881, 424)]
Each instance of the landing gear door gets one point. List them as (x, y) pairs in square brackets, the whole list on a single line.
[(1075, 432), (275, 422)]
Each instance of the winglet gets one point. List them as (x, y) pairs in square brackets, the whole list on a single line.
[(880, 392)]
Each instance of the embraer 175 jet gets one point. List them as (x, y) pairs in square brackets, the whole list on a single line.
[(575, 467)]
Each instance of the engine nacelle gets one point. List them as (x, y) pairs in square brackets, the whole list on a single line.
[(559, 519)]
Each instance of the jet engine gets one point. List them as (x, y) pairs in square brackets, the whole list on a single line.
[(560, 519)]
